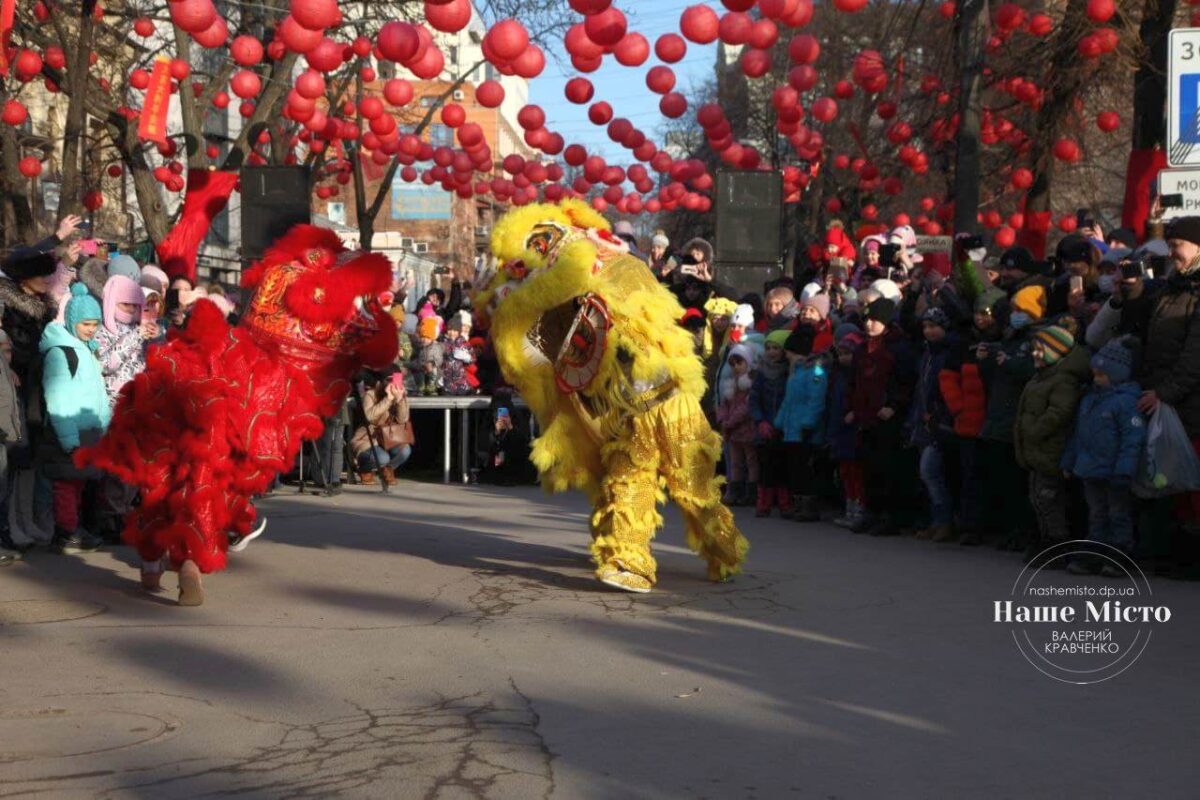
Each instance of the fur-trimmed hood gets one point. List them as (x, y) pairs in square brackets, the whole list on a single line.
[(35, 306)]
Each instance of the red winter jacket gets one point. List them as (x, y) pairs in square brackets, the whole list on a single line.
[(963, 393)]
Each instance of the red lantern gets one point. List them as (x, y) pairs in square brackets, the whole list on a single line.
[(1022, 179), (948, 9), (1004, 237), (1108, 121), (296, 37), (180, 69), (700, 24), (449, 17), (1009, 17), (755, 63), (531, 117), (606, 28), (825, 109), (1066, 150), (245, 84), (193, 15), (316, 15), (1040, 25), (399, 42), (1068, 223), (833, 205), (764, 34), (735, 27), (490, 94), (30, 166), (802, 78), (399, 92), (93, 200), (1101, 11), (632, 51), (143, 27), (673, 105), (586, 7), (850, 6), (600, 113), (804, 49), (670, 48), (579, 90), (430, 65), (530, 63), (14, 113), (660, 80), (453, 115), (310, 84), (508, 39)]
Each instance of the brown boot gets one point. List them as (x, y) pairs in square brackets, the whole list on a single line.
[(389, 476), (943, 533), (366, 478)]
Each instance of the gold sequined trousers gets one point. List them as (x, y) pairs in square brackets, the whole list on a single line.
[(669, 449)]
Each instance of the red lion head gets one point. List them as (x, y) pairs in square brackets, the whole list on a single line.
[(316, 303)]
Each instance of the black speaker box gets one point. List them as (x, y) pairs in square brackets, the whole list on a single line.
[(273, 200), (749, 208)]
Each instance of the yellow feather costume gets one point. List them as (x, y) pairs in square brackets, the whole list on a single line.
[(590, 339)]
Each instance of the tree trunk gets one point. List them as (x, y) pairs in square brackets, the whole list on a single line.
[(18, 222), (71, 199), (1150, 80), (1067, 76), (972, 37)]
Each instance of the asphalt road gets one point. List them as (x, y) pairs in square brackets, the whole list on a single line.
[(449, 642)]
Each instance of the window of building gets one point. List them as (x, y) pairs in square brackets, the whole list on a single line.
[(441, 135)]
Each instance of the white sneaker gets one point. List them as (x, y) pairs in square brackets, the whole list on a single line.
[(239, 543)]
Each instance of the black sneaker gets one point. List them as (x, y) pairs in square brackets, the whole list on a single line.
[(6, 543), (1112, 571), (1084, 566), (74, 543)]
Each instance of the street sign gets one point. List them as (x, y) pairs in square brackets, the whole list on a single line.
[(934, 244), (1183, 97), (1185, 182)]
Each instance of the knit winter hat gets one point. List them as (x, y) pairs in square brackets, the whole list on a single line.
[(936, 316), (1017, 258), (120, 289), (1073, 248), (851, 342), (986, 302), (844, 330), (779, 337), (121, 264), (741, 351), (1185, 228), (887, 288), (881, 310), (430, 327), (80, 308), (154, 278), (461, 321), (743, 316), (25, 263), (396, 312), (1115, 360), (939, 263), (660, 241), (720, 307), (818, 301), (1031, 300), (800, 341), (1056, 342)]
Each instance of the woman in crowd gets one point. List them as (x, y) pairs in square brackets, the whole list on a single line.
[(385, 441)]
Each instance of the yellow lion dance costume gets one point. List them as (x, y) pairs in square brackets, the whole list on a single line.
[(591, 340)]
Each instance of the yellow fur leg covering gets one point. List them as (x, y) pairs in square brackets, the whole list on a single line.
[(671, 445)]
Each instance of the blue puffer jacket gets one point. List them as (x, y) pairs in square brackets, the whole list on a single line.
[(75, 404), (766, 394), (801, 418), (1109, 434), (842, 438)]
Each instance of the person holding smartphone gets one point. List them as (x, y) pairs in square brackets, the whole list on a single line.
[(386, 439), (1076, 289)]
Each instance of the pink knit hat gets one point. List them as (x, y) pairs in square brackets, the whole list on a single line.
[(121, 289)]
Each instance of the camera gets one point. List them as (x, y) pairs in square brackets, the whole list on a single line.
[(1158, 266), (1171, 200), (1131, 269), (887, 255)]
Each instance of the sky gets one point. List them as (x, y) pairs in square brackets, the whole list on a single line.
[(623, 87)]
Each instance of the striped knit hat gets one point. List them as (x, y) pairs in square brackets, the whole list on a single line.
[(1056, 342)]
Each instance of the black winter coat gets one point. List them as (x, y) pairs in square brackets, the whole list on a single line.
[(1170, 363), (25, 317)]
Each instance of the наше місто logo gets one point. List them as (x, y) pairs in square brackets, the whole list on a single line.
[(1081, 628)]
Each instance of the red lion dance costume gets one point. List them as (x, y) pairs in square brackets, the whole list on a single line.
[(220, 410)]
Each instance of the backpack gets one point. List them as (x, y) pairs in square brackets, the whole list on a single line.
[(35, 399)]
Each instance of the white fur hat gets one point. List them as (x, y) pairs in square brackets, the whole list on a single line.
[(887, 289), (743, 316)]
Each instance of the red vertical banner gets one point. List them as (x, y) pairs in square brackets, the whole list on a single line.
[(153, 124), (8, 9)]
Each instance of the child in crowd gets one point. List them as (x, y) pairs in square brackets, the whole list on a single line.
[(428, 354), (766, 396), (801, 417), (1103, 453), (931, 424), (121, 340), (780, 308), (843, 436), (1044, 418), (737, 426), (78, 410)]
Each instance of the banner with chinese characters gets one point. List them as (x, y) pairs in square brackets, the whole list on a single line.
[(153, 125)]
